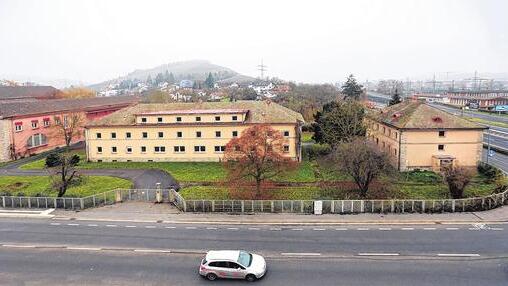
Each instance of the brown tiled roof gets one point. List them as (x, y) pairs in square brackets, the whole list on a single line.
[(26, 92), (418, 115), (12, 109), (259, 112)]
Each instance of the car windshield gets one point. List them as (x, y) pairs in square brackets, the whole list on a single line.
[(245, 258)]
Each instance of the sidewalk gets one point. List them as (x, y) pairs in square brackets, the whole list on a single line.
[(149, 212)]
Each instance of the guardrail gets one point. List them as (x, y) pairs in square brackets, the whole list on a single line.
[(344, 206)]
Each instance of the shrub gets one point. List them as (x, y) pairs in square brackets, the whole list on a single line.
[(490, 172), (314, 151)]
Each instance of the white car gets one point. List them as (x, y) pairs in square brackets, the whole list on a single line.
[(233, 264)]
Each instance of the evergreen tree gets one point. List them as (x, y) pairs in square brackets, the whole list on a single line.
[(166, 76), (351, 89), (149, 80), (209, 82), (159, 78), (395, 98)]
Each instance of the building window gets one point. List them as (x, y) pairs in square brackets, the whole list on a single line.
[(145, 135), (143, 119), (46, 122), (440, 147), (395, 152), (396, 135), (18, 126), (235, 118), (198, 118), (441, 134), (377, 141), (220, 149), (179, 149), (99, 150), (159, 149), (286, 133), (35, 124), (235, 134), (113, 135), (113, 149), (159, 119), (286, 148), (198, 134), (217, 134), (179, 134), (128, 135), (98, 135), (217, 118), (36, 140), (199, 149), (160, 134), (384, 130), (178, 119), (129, 150), (143, 149)]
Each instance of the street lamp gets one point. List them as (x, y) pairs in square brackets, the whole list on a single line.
[(488, 145)]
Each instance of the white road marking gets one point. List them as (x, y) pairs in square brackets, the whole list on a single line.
[(408, 228), (275, 228), (211, 228), (130, 226), (170, 227), (362, 228), (429, 228), (496, 228), (18, 246), (73, 224), (474, 228), (232, 228), (341, 229), (452, 228), (377, 254), (55, 223), (253, 228), (319, 229), (149, 226), (84, 248), (458, 254), (385, 228), (301, 254), (297, 229), (190, 227), (111, 225)]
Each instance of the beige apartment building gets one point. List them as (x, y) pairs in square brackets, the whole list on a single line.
[(186, 131), (419, 136)]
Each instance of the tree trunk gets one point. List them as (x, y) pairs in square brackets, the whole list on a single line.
[(258, 189)]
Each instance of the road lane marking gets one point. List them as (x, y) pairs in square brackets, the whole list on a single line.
[(73, 224), (253, 228), (300, 254), (319, 229), (362, 228), (211, 228), (232, 228), (429, 228), (111, 225), (18, 245), (275, 228), (130, 226), (84, 248), (385, 228), (297, 229), (55, 223), (377, 254), (408, 228), (149, 226), (341, 228), (496, 228), (92, 225), (458, 254), (452, 228), (170, 227), (190, 227)]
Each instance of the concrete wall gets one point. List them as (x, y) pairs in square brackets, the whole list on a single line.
[(169, 140)]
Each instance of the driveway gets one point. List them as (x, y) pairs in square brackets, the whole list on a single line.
[(141, 178)]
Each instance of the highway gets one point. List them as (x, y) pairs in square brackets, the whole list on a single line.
[(63, 252)]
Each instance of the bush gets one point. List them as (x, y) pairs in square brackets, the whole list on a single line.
[(490, 172), (20, 194), (314, 151)]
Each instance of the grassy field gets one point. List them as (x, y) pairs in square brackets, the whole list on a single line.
[(488, 122), (41, 186)]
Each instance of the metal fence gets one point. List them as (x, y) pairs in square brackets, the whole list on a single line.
[(344, 206)]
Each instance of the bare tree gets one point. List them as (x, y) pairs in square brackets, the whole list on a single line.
[(457, 178), (361, 160), (61, 166), (257, 155), (69, 127)]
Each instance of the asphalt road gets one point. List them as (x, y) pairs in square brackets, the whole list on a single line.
[(63, 252), (498, 159), (50, 267)]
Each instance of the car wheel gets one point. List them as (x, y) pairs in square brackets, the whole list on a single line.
[(250, 278), (211, 276)]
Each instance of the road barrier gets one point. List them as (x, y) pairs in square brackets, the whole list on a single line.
[(343, 206), (259, 206)]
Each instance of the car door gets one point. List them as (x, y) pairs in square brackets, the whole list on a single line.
[(236, 270), (220, 268)]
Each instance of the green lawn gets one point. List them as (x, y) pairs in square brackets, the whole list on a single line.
[(41, 186), (307, 137), (487, 122)]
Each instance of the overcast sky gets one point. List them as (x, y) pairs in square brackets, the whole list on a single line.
[(306, 41)]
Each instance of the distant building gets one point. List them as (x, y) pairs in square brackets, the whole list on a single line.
[(186, 83), (431, 97), (419, 136), (27, 93), (25, 127), (487, 100), (186, 131)]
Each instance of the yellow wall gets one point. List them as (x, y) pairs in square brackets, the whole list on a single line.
[(190, 118), (417, 147), (170, 139)]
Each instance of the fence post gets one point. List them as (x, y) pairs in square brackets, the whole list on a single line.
[(3, 201), (72, 203), (332, 206), (213, 205), (184, 206), (105, 199), (453, 205), (342, 206), (93, 199), (271, 206), (362, 206), (392, 208), (29, 203), (82, 203), (46, 202), (301, 206)]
